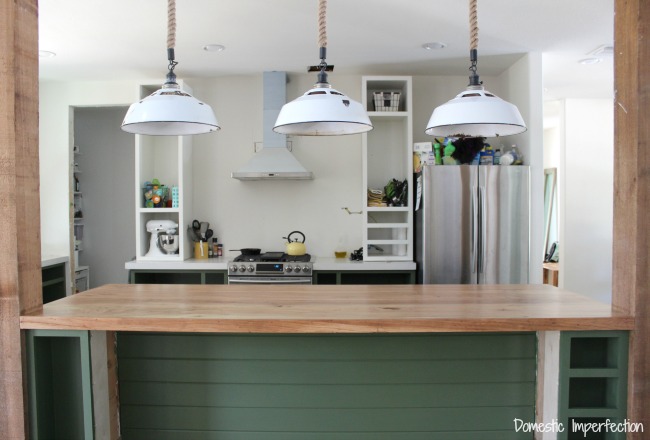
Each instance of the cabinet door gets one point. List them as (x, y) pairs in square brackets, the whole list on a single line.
[(53, 282)]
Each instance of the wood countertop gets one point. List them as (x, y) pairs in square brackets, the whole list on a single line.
[(326, 309)]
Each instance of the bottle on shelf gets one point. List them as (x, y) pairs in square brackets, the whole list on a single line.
[(518, 157), (497, 156), (436, 148)]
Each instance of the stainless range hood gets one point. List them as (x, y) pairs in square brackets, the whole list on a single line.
[(274, 161)]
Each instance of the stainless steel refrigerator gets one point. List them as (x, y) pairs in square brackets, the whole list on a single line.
[(472, 224)]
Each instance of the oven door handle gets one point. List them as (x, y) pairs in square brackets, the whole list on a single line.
[(275, 281)]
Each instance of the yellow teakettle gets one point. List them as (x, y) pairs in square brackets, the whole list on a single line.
[(295, 247)]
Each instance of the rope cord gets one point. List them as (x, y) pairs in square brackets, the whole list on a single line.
[(473, 25), (171, 24), (322, 23)]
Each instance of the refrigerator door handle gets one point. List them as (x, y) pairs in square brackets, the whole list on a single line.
[(483, 259), (474, 237)]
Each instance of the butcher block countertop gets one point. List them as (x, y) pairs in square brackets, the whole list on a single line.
[(326, 309)]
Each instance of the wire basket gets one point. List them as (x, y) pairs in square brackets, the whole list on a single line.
[(386, 101)]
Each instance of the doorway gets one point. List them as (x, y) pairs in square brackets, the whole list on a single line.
[(103, 187)]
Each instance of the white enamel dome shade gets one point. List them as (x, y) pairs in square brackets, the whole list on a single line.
[(170, 112), (322, 111), (475, 113)]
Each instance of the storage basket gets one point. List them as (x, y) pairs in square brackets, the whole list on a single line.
[(386, 101)]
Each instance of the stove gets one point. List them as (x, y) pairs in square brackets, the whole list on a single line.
[(270, 268)]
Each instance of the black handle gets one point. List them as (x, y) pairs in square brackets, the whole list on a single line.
[(296, 232)]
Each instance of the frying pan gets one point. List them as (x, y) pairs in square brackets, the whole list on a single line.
[(248, 251)]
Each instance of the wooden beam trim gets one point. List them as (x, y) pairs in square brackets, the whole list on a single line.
[(631, 262), (20, 281)]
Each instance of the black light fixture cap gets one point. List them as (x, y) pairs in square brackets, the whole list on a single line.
[(322, 74), (473, 76), (170, 79)]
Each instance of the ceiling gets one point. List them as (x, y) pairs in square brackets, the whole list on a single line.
[(125, 39)]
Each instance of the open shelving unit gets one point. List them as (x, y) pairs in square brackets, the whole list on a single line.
[(77, 203), (387, 154), (168, 159), (593, 381)]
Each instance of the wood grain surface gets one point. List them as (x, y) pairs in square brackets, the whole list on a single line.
[(631, 250), (20, 252), (326, 309)]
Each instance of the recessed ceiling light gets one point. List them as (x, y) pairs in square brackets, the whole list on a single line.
[(592, 60), (214, 47), (434, 45), (46, 54)]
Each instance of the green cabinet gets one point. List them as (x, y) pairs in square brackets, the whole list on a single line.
[(364, 277), (178, 277), (60, 385), (593, 384), (137, 276), (53, 278)]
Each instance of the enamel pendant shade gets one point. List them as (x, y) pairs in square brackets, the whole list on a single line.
[(475, 112), (170, 112), (322, 111)]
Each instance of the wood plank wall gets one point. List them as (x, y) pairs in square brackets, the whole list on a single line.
[(326, 387), (20, 259), (631, 262)]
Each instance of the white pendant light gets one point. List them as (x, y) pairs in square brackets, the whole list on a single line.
[(169, 111), (475, 112), (322, 111)]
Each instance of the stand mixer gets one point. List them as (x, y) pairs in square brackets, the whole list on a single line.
[(155, 228)]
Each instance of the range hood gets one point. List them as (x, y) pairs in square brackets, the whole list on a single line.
[(274, 161)]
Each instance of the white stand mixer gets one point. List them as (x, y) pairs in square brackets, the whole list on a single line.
[(155, 227)]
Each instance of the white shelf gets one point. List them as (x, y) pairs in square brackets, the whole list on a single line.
[(406, 241), (386, 257), (387, 154), (388, 209), (388, 226), (168, 159), (159, 210), (388, 115)]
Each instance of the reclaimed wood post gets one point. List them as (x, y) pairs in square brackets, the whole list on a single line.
[(631, 264), (20, 256)]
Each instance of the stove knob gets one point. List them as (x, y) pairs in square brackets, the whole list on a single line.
[(233, 268), (296, 269), (288, 268), (251, 268), (306, 269), (242, 268)]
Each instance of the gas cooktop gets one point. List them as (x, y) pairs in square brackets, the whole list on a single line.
[(273, 257)]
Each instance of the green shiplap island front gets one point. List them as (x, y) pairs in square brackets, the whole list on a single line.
[(308, 387)]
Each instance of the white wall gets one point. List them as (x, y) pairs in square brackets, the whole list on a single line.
[(553, 137), (55, 153), (587, 197), (259, 213)]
